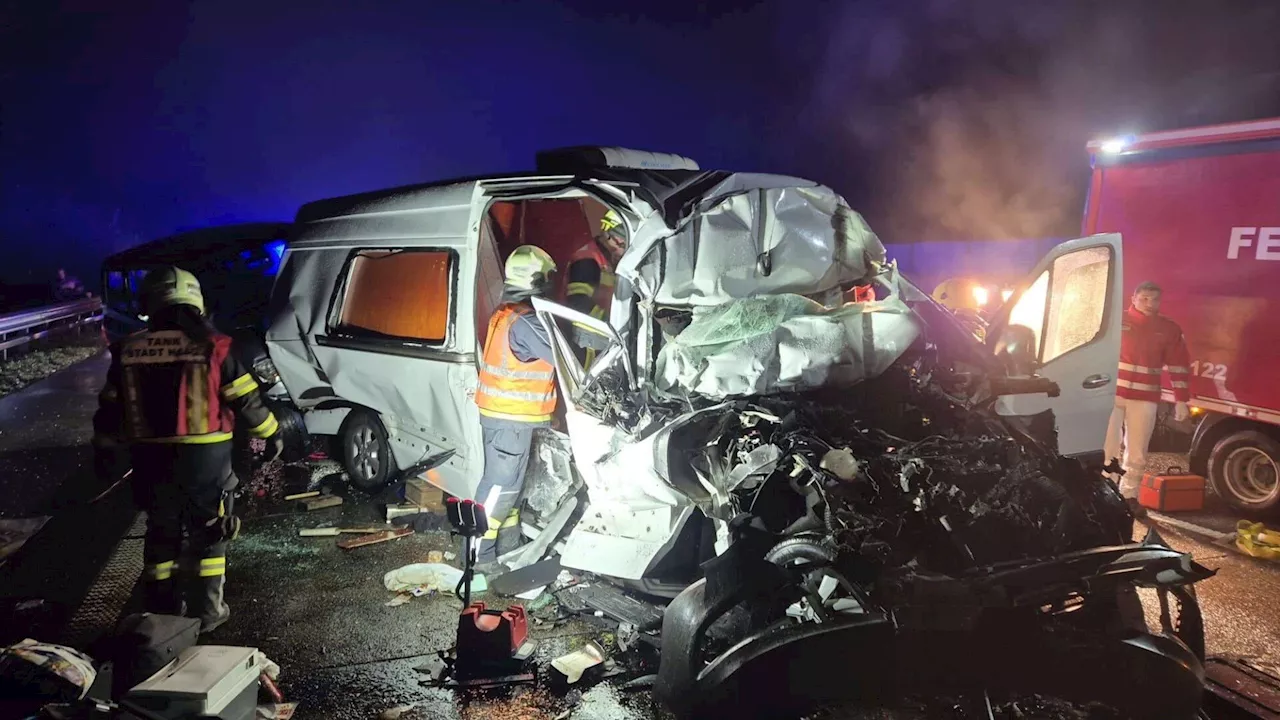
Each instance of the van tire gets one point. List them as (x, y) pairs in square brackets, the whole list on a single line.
[(1243, 470), (365, 451), (293, 430)]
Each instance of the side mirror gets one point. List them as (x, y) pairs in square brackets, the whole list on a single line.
[(1017, 349)]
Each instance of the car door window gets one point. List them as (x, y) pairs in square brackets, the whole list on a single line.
[(1077, 300), (402, 295), (1067, 303)]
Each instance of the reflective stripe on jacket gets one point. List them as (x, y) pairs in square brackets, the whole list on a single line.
[(601, 293), (510, 388), (1150, 345), (163, 387)]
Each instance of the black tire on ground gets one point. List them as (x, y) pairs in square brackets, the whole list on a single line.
[(365, 452), (1244, 469)]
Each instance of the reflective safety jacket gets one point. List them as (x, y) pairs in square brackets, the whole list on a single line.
[(510, 388), (1148, 345), (164, 387), (589, 282)]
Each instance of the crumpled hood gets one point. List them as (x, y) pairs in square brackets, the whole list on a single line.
[(752, 235), (746, 261)]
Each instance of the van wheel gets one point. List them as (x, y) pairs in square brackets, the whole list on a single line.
[(366, 454), (293, 430), (1244, 469)]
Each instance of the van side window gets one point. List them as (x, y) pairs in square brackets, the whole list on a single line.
[(397, 294)]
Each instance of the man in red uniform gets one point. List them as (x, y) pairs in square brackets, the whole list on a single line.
[(1150, 343)]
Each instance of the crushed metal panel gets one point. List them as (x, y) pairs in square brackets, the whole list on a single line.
[(753, 235), (779, 343), (549, 480)]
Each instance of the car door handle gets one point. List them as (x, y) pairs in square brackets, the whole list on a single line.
[(1095, 381)]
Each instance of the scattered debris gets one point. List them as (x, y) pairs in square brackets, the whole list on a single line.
[(626, 636), (320, 503), (374, 538), (396, 511), (537, 575), (432, 576), (573, 665), (533, 594), (319, 532), (450, 556), (397, 712), (399, 599), (14, 533), (302, 495), (278, 711), (423, 521), (435, 557)]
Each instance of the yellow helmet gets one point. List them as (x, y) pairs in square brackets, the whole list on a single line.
[(957, 294), (529, 268), (169, 286)]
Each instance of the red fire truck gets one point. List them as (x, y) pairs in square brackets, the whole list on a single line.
[(1199, 213)]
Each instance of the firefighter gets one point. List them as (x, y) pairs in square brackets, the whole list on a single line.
[(168, 407), (517, 393), (1149, 344)]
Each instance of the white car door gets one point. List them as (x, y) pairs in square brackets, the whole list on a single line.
[(1073, 303)]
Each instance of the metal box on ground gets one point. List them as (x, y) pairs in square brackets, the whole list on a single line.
[(206, 681), (1172, 491)]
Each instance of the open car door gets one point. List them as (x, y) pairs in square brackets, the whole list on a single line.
[(1072, 303)]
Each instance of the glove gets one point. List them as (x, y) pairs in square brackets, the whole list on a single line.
[(1181, 412), (275, 446)]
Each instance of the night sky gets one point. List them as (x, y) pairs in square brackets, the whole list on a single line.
[(122, 121)]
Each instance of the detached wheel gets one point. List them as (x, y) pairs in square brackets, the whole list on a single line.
[(366, 454), (1244, 469)]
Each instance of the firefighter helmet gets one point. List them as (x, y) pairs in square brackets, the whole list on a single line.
[(529, 268), (169, 286), (611, 226)]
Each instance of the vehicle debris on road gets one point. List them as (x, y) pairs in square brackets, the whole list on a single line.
[(574, 664), (374, 538)]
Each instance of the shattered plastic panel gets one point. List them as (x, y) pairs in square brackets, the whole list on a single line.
[(752, 237), (778, 343), (549, 478)]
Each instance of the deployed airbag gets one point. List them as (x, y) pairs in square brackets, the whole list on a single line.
[(778, 343)]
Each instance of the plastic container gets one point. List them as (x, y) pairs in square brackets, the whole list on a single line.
[(1172, 491)]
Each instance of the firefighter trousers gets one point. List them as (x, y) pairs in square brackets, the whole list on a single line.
[(506, 456), (185, 491), (1132, 423)]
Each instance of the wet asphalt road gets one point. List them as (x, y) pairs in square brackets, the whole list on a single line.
[(320, 611)]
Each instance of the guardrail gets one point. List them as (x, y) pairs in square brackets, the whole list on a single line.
[(21, 327)]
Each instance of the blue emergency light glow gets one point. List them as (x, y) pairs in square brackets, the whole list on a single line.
[(276, 248)]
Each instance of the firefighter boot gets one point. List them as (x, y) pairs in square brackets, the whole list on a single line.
[(160, 590), (208, 604)]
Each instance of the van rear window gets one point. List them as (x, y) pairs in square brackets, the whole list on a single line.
[(401, 294)]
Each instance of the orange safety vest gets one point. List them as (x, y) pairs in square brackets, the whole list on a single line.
[(509, 388), (601, 294)]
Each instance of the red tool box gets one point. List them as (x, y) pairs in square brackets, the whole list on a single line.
[(1172, 491)]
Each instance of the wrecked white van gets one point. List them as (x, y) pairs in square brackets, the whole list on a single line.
[(854, 474)]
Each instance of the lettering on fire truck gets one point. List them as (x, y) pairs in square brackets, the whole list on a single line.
[(1265, 242)]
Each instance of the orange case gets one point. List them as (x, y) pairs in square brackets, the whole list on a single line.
[(1172, 491)]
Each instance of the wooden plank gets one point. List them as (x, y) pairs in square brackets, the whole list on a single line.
[(320, 503), (375, 538), (302, 496), (319, 532)]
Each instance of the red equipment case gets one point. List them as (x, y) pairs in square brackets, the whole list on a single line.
[(1172, 491)]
